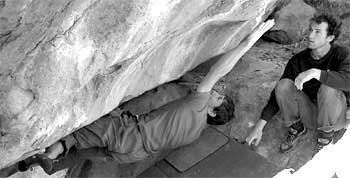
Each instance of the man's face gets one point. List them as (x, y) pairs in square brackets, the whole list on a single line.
[(318, 37), (215, 99)]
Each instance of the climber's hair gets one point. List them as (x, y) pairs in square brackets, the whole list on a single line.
[(334, 23), (224, 112)]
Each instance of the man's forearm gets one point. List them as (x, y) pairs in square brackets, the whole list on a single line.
[(338, 79), (228, 60)]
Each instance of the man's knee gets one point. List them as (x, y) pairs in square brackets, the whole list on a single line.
[(328, 93), (332, 108), (283, 87), (331, 100)]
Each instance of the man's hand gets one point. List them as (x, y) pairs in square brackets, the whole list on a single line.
[(54, 150), (255, 135), (306, 76)]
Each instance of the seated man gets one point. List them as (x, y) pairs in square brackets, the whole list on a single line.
[(175, 124), (314, 88)]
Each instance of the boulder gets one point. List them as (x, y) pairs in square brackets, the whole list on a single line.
[(292, 23), (337, 7), (64, 64)]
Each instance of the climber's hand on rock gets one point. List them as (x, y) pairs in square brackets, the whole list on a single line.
[(54, 150)]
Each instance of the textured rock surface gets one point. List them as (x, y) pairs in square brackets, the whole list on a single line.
[(339, 7), (65, 63), (292, 22)]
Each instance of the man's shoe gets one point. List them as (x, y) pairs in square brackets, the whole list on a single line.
[(292, 138), (324, 139)]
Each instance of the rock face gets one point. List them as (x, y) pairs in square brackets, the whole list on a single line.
[(63, 64)]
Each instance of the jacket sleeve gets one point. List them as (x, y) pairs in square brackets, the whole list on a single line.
[(339, 79)]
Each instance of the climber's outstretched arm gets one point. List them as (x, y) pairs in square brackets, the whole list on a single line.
[(228, 60)]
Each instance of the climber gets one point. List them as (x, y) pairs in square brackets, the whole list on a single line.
[(314, 88), (125, 138)]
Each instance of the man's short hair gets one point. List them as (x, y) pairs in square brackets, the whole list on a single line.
[(334, 23), (224, 112)]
